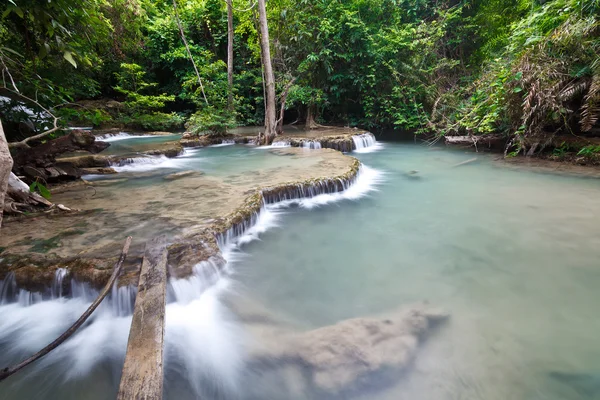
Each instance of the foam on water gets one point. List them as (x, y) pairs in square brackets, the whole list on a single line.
[(117, 137), (279, 144), (147, 163), (224, 142)]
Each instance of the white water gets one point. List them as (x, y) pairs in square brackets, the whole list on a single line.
[(205, 344), (366, 143), (224, 142), (278, 144), (311, 144), (116, 137), (146, 163)]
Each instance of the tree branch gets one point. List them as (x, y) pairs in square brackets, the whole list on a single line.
[(6, 372), (188, 50), (23, 143)]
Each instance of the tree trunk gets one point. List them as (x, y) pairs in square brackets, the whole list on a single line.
[(270, 113), (310, 117), (230, 55), (6, 163), (283, 99)]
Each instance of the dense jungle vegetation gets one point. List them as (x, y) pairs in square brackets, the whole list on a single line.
[(525, 69)]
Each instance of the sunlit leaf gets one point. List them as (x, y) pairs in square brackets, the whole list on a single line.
[(69, 57)]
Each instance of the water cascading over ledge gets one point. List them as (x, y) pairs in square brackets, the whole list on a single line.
[(188, 253)]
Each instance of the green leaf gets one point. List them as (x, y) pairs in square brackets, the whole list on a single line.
[(18, 11), (44, 191), (69, 57), (11, 51), (517, 90), (32, 187), (12, 2)]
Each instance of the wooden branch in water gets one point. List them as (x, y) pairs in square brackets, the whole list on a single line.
[(6, 372), (142, 376)]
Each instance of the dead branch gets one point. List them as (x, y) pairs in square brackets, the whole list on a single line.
[(6, 372)]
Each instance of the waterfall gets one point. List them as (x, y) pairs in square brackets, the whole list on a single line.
[(363, 140), (311, 144), (281, 143), (115, 137), (204, 344), (145, 163)]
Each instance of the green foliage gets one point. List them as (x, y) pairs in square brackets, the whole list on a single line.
[(155, 121), (41, 189), (589, 150), (211, 121), (524, 68), (83, 116)]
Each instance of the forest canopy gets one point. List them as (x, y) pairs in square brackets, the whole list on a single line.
[(526, 69)]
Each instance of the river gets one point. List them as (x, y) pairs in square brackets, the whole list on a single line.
[(510, 254)]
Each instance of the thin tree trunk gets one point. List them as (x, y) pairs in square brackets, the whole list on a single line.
[(188, 50), (230, 55), (6, 163), (283, 99), (270, 113)]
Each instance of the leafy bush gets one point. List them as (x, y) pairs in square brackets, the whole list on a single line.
[(156, 121), (211, 121), (82, 116)]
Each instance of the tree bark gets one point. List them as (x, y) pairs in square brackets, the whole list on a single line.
[(283, 99), (6, 163), (270, 113), (310, 117), (230, 55)]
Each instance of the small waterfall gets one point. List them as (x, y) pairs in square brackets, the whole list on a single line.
[(114, 137), (56, 290), (8, 289), (227, 141), (281, 143), (364, 140), (152, 160), (311, 144)]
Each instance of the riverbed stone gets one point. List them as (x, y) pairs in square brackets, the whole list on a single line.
[(182, 174)]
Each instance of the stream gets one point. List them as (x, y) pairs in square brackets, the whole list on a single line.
[(510, 254)]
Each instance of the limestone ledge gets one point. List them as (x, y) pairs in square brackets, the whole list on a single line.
[(336, 140), (36, 272)]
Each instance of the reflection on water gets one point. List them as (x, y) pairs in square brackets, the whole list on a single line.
[(510, 254)]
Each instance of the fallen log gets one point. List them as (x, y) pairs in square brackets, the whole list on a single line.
[(6, 372), (142, 376), (479, 142)]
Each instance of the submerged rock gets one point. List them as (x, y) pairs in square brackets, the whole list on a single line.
[(182, 174), (344, 355), (348, 356), (98, 171)]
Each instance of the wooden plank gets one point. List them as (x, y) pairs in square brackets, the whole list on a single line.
[(142, 376)]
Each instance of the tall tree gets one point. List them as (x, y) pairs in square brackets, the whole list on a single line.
[(229, 55), (270, 112)]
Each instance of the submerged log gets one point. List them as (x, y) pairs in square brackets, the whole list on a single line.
[(142, 376)]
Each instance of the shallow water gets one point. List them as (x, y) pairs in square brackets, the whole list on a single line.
[(511, 254)]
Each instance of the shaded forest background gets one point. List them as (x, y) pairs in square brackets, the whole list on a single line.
[(525, 69)]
